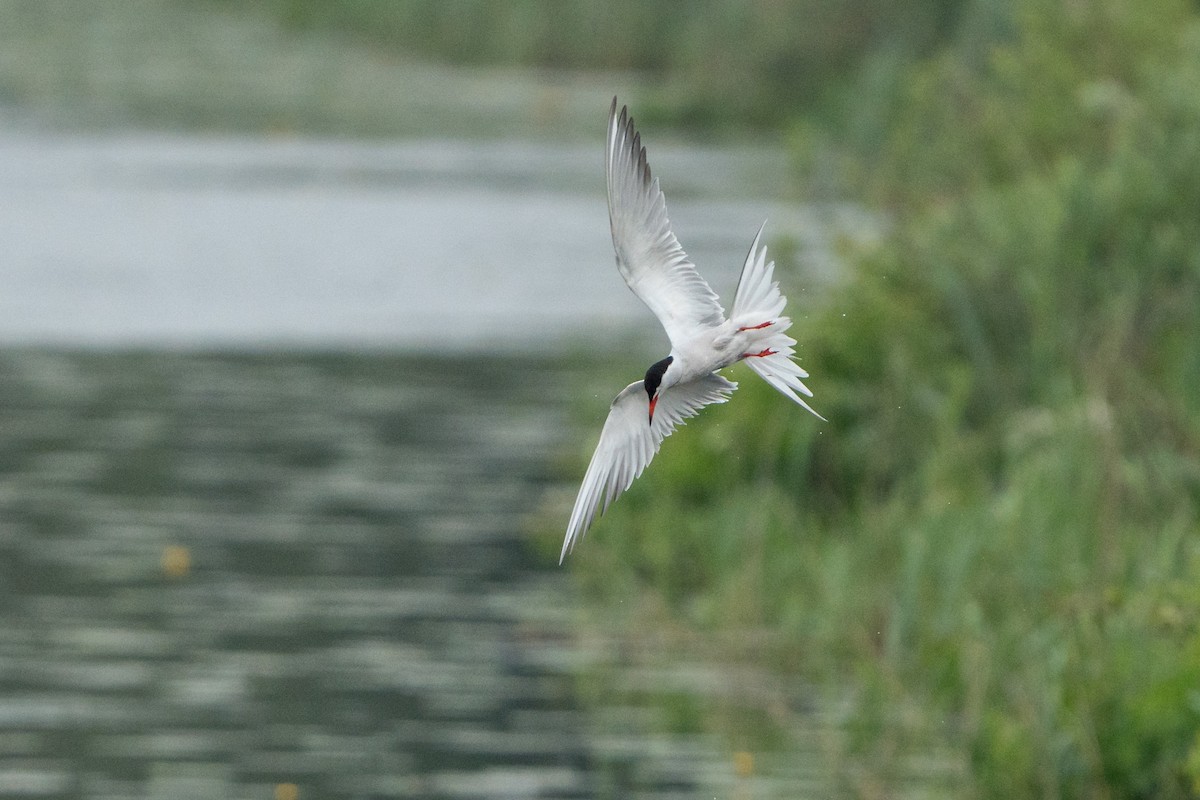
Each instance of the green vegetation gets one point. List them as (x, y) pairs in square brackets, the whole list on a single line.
[(221, 66), (423, 67), (999, 527), (739, 63)]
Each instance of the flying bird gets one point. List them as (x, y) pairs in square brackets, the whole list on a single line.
[(703, 340)]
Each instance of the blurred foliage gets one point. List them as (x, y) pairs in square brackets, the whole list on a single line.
[(376, 67), (999, 526), (736, 63), (221, 66)]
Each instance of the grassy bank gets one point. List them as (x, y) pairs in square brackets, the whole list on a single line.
[(225, 67), (718, 63), (995, 539), (425, 67)]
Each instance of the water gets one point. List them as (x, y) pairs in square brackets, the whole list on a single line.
[(184, 240), (275, 415), (226, 574)]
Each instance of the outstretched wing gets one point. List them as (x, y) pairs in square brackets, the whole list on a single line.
[(629, 441), (648, 254)]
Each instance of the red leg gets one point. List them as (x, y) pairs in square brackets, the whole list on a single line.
[(760, 353), (756, 327)]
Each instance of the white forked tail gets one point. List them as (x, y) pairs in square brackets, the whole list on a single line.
[(758, 301)]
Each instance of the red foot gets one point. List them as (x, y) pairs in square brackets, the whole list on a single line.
[(756, 327), (760, 353)]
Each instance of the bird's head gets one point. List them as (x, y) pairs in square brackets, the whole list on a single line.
[(653, 381)]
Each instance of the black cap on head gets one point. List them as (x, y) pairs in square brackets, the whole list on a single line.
[(655, 373)]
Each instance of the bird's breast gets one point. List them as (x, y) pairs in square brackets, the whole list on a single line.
[(716, 349)]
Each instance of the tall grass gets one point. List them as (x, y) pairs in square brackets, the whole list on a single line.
[(996, 540)]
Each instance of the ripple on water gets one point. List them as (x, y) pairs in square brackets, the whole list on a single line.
[(356, 615)]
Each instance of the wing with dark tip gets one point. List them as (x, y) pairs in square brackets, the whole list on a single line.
[(629, 442), (648, 254)]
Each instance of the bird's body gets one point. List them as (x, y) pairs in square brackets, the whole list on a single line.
[(703, 340), (711, 350)]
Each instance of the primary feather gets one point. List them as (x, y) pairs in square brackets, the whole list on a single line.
[(648, 254), (628, 443)]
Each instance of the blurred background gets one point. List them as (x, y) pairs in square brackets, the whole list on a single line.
[(309, 321)]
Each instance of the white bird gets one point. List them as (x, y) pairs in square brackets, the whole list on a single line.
[(703, 341)]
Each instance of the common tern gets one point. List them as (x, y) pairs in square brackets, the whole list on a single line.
[(703, 341)]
